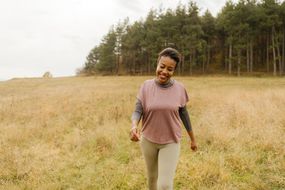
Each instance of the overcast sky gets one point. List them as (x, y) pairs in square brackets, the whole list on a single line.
[(57, 35)]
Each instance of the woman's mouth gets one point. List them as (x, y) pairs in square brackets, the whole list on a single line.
[(162, 77)]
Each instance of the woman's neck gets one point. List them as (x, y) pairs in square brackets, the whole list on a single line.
[(165, 85)]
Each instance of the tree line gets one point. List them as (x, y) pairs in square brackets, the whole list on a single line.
[(244, 37)]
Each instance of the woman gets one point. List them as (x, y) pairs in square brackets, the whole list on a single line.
[(162, 104)]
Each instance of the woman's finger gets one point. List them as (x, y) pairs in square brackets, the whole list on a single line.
[(134, 136)]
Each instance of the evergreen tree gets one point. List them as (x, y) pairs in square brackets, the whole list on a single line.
[(271, 22), (107, 56), (226, 28), (180, 24), (132, 47), (246, 36), (91, 60), (209, 31), (194, 34)]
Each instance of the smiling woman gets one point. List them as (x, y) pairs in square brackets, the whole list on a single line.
[(166, 65), (161, 102)]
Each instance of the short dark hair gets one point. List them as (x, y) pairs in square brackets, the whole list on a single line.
[(172, 53)]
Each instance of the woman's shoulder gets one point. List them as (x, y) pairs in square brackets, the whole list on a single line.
[(179, 84), (148, 82)]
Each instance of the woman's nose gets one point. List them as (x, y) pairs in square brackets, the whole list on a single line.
[(164, 70)]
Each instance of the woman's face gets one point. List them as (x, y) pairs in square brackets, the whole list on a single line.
[(165, 69)]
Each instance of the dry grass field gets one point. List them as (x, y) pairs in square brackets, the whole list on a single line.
[(72, 134)]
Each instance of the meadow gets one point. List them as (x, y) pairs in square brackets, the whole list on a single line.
[(73, 134)]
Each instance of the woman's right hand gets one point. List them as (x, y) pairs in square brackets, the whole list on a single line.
[(134, 134)]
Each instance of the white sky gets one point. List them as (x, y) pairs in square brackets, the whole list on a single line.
[(57, 35)]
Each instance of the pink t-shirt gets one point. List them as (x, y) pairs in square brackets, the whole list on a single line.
[(161, 122)]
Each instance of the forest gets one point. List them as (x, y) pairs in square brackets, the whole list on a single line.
[(245, 38)]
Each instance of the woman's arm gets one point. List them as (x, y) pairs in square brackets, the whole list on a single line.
[(136, 116), (184, 116)]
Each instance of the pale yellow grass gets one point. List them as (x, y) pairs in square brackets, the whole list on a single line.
[(72, 133)]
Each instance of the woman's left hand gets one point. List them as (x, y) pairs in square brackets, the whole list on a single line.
[(193, 145)]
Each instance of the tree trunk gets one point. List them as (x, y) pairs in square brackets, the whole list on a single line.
[(230, 58), (204, 60), (129, 62), (279, 57), (238, 63), (117, 64), (208, 56), (190, 63), (194, 60), (247, 58), (277, 44), (225, 52), (267, 53), (182, 61), (134, 63), (148, 63), (251, 56), (273, 51), (283, 51)]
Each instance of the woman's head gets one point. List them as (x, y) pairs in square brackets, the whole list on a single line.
[(167, 62)]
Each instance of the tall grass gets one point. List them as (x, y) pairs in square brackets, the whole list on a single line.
[(72, 133)]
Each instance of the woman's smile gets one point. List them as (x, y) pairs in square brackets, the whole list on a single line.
[(165, 69)]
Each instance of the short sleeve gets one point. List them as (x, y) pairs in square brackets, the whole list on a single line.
[(184, 97), (140, 95)]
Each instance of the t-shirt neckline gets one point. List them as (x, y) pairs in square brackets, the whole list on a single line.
[(162, 86)]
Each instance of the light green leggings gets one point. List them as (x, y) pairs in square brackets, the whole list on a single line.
[(161, 161)]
